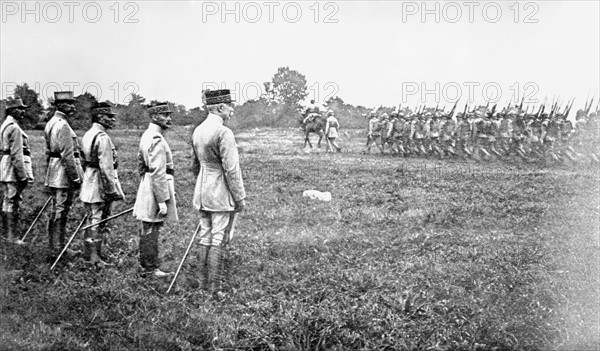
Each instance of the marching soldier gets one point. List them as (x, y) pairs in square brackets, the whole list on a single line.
[(464, 131), (15, 167), (101, 185), (374, 132), (435, 127), (64, 173), (448, 129), (505, 131), (332, 128), (155, 201), (219, 190), (481, 130)]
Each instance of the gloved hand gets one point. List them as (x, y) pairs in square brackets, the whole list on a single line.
[(22, 184), (162, 208), (76, 185), (239, 205)]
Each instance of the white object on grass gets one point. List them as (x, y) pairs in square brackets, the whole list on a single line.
[(317, 195)]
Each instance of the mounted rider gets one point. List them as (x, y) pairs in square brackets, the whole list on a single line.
[(311, 112)]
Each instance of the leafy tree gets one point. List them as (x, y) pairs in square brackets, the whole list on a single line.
[(289, 86), (133, 114), (82, 119)]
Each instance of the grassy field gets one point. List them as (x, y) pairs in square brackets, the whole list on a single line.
[(410, 254)]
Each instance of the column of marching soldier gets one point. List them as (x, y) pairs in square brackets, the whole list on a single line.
[(90, 168), (485, 134)]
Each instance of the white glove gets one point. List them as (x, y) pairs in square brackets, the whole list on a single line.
[(162, 209)]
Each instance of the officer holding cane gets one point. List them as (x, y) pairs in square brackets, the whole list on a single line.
[(64, 173), (219, 190), (15, 167), (155, 201), (101, 185)]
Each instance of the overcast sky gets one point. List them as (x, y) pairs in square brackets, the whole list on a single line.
[(369, 53)]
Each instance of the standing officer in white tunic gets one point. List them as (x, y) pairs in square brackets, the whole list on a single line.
[(101, 185), (64, 173), (219, 186), (332, 128), (15, 167), (155, 202)]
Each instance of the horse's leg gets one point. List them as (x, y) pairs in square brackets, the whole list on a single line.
[(307, 139), (320, 138)]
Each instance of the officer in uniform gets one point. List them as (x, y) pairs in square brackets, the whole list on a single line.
[(155, 201), (64, 173), (101, 185), (332, 127), (219, 190), (15, 167), (374, 132)]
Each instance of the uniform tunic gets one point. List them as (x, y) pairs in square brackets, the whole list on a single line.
[(15, 162), (101, 177), (155, 165), (331, 128), (219, 183), (62, 151)]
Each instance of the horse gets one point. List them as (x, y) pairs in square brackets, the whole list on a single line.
[(317, 126)]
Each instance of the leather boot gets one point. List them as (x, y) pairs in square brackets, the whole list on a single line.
[(97, 255), (214, 263), (2, 223), (62, 234), (87, 250), (53, 239), (12, 224), (203, 260)]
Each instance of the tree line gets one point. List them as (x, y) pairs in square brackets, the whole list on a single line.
[(279, 105)]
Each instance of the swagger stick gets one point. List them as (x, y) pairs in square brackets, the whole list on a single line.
[(187, 251), (22, 241), (69, 242)]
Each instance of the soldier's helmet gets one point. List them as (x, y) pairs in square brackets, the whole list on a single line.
[(384, 116), (329, 112)]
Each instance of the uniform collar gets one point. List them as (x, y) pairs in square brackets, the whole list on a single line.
[(153, 127), (214, 118), (11, 119), (60, 115), (99, 126)]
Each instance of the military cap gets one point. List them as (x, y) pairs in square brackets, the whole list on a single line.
[(15, 103), (329, 112), (213, 97), (103, 108), (384, 115), (159, 108), (63, 96)]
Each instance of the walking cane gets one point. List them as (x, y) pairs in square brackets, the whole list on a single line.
[(22, 241), (107, 219), (69, 242), (329, 144), (187, 251)]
